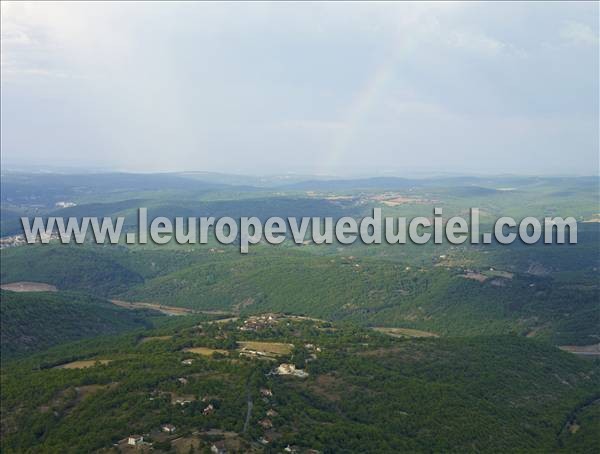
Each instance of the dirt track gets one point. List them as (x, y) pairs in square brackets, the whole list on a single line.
[(169, 310)]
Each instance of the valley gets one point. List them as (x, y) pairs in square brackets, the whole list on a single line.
[(193, 348), (299, 227)]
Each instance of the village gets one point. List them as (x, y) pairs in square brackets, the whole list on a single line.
[(20, 240), (168, 436)]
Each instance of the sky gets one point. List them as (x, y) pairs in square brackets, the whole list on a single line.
[(307, 88)]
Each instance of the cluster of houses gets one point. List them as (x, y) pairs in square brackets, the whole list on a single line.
[(183, 401), (258, 322), (12, 241), (253, 323), (20, 240), (266, 423), (220, 447), (313, 349), (64, 204), (138, 440)]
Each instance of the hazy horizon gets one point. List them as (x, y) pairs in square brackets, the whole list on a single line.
[(335, 89), (300, 176)]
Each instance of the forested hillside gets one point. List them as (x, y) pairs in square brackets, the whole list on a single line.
[(445, 298), (489, 393), (374, 292), (32, 322), (80, 373)]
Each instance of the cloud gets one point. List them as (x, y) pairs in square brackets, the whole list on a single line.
[(475, 42), (578, 33), (356, 85)]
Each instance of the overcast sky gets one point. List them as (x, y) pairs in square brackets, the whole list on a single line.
[(321, 88)]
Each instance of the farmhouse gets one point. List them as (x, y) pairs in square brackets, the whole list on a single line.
[(135, 440), (263, 441), (266, 392), (169, 428), (266, 423), (187, 362), (290, 369)]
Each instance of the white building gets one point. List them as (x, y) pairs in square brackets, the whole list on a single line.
[(135, 440), (290, 369), (169, 428)]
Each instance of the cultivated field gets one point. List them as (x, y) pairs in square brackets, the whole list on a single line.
[(266, 348)]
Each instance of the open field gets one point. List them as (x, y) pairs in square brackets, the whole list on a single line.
[(404, 332), (82, 364), (475, 276), (266, 348), (499, 273), (29, 287)]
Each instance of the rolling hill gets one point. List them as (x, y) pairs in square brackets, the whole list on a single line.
[(478, 394), (559, 307), (380, 293), (32, 322)]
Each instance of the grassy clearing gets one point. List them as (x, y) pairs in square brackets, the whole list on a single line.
[(499, 273), (475, 276)]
